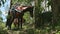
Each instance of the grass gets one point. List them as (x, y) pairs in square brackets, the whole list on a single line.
[(29, 28)]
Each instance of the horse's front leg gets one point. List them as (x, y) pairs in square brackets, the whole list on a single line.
[(21, 23)]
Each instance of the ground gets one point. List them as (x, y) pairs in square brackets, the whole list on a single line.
[(30, 29)]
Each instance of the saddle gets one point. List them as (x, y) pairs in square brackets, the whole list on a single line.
[(20, 9)]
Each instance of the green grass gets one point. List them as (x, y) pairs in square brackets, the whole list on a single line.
[(29, 28)]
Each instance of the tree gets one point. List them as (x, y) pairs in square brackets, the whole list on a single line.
[(2, 2), (38, 11), (56, 12), (1, 19)]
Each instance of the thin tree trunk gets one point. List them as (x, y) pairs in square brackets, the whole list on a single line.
[(10, 4), (37, 14)]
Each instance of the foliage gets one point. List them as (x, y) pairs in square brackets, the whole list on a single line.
[(2, 2), (42, 19), (0, 12), (47, 16), (24, 2), (38, 11), (1, 19), (2, 26), (49, 3)]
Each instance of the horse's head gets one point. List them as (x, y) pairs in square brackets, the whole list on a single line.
[(30, 9)]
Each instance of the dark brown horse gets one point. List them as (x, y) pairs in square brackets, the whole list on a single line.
[(18, 15)]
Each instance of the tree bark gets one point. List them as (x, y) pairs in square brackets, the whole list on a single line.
[(55, 9), (10, 3), (37, 14)]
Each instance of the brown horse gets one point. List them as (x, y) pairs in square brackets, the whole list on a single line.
[(17, 15)]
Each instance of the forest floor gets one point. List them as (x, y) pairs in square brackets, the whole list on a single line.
[(28, 29)]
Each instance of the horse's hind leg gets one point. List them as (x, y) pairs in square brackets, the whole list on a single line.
[(7, 23), (14, 26), (18, 22), (10, 23), (15, 22), (9, 27)]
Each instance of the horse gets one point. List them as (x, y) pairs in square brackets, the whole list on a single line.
[(18, 14)]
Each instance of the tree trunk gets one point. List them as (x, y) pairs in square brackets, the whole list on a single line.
[(37, 14), (10, 3), (55, 9)]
